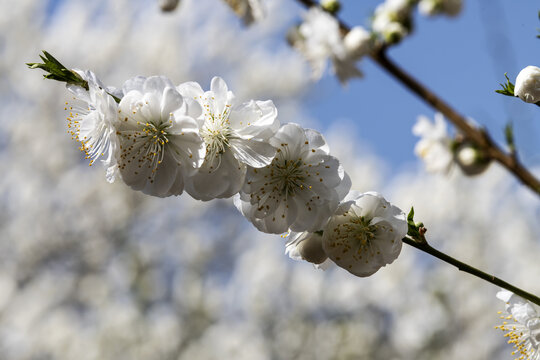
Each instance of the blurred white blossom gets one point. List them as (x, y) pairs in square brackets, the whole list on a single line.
[(391, 19), (319, 38), (248, 10), (434, 144), (527, 85)]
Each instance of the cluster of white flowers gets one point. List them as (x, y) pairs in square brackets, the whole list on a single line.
[(527, 86), (521, 325), (319, 38), (161, 139)]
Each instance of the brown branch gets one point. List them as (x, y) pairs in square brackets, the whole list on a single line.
[(425, 247), (479, 136)]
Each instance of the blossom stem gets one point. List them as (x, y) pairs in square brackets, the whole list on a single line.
[(477, 135), (425, 247)]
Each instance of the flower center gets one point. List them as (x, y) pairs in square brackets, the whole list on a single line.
[(216, 132), (357, 235), (524, 338), (146, 147), (286, 175), (94, 143)]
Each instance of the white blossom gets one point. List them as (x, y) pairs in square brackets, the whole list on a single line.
[(364, 234), (319, 38), (94, 124), (523, 331), (434, 146), (299, 190), (527, 85), (236, 135), (248, 10), (357, 42), (159, 136), (306, 246), (391, 19)]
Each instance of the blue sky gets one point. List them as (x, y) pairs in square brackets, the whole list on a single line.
[(462, 59)]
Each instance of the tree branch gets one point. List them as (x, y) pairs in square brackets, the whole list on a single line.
[(425, 247), (479, 136)]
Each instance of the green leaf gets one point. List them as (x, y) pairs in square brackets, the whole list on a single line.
[(508, 88), (410, 217), (56, 71), (509, 137)]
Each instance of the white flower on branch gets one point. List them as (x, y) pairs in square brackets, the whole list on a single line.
[(159, 136), (319, 38), (364, 234), (94, 124), (299, 190), (527, 85), (248, 10), (434, 146), (307, 246), (521, 325), (392, 20), (236, 135)]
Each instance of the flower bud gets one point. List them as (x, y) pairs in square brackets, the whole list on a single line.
[(332, 6), (168, 5), (306, 246), (528, 84), (470, 159)]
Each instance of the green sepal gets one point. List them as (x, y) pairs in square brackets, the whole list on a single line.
[(508, 88), (412, 228), (56, 71)]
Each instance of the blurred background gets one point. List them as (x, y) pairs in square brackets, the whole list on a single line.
[(90, 270)]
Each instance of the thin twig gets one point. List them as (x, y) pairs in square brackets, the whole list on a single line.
[(479, 136), (425, 247)]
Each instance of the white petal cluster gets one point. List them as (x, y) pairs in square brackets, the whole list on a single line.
[(163, 138), (522, 325), (364, 234), (319, 38), (94, 124), (249, 11), (306, 246), (434, 146), (392, 19), (436, 7), (159, 137), (235, 135), (527, 85), (301, 187)]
